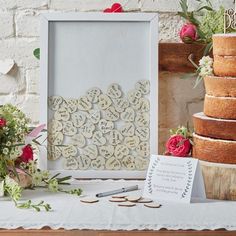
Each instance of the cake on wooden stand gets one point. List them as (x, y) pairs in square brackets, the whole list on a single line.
[(215, 128)]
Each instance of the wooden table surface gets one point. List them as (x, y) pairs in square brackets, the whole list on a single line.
[(49, 232)]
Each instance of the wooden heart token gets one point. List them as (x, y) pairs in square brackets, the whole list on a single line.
[(113, 164), (143, 105), (54, 102), (54, 126), (94, 116), (143, 133), (62, 114), (70, 163), (134, 97), (114, 91), (78, 140), (68, 128), (117, 200), (144, 200), (119, 196), (131, 142), (152, 205), (54, 152), (120, 104), (104, 101), (78, 119), (143, 86), (121, 151), (55, 138), (128, 115), (83, 162), (127, 129), (115, 137), (69, 150), (141, 163), (93, 94), (91, 151), (111, 114), (142, 119), (84, 104), (98, 138), (89, 200), (87, 129), (143, 149), (106, 151), (126, 204), (70, 105), (133, 198), (98, 163), (105, 126), (128, 162)]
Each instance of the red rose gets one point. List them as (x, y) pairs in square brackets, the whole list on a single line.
[(116, 7), (188, 33), (178, 145), (3, 122), (27, 154)]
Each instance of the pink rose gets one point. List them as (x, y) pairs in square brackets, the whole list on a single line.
[(3, 122), (188, 33), (27, 154), (178, 145)]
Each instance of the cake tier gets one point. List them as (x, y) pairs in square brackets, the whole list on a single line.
[(224, 44), (220, 107), (220, 86), (214, 150), (224, 65), (214, 128)]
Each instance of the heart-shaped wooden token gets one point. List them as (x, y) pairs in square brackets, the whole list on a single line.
[(87, 129), (143, 86), (142, 119), (91, 151), (69, 150), (78, 140), (54, 152), (70, 163), (98, 138), (111, 114), (94, 116), (62, 114), (127, 129), (98, 163), (84, 104), (121, 151), (134, 97), (114, 91), (131, 142), (93, 94), (104, 101), (54, 126), (115, 137), (128, 115), (143, 105), (106, 151), (83, 162), (120, 104), (6, 65), (68, 128), (105, 126), (70, 105), (113, 164), (128, 162), (54, 102), (141, 163), (55, 138), (143, 149), (143, 133), (78, 119)]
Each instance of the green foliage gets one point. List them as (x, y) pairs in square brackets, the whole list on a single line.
[(29, 205), (12, 188), (36, 53)]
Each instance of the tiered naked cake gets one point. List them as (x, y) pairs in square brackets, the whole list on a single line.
[(215, 129)]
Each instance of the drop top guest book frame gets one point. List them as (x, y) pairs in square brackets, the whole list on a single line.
[(99, 94)]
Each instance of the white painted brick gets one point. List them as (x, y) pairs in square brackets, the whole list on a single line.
[(7, 4), (40, 4), (32, 81), (6, 24), (169, 27), (27, 23), (13, 82), (160, 5), (21, 50)]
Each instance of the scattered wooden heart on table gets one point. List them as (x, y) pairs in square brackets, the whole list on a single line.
[(6, 65)]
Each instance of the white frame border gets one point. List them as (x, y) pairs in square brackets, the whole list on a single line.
[(44, 40)]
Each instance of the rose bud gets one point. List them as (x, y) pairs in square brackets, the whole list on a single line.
[(3, 122), (27, 154), (188, 33), (178, 145)]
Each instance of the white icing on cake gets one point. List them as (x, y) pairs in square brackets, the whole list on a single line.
[(204, 117), (230, 98), (213, 139)]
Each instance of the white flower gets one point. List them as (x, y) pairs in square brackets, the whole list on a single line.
[(53, 185), (8, 143), (37, 178), (206, 61), (5, 151)]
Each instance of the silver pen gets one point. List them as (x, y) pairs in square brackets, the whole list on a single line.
[(122, 190)]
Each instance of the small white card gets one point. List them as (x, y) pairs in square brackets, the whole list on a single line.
[(174, 179)]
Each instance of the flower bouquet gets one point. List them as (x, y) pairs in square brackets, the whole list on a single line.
[(18, 161)]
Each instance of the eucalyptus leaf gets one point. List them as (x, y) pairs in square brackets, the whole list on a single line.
[(37, 53)]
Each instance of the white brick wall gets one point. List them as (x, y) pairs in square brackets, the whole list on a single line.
[(19, 36)]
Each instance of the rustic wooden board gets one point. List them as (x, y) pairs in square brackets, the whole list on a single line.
[(174, 56), (220, 180)]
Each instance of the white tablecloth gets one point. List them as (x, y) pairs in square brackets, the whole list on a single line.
[(69, 213)]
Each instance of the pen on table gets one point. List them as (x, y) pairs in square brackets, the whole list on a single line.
[(122, 190)]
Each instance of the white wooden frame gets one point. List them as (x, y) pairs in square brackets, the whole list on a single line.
[(152, 20)]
